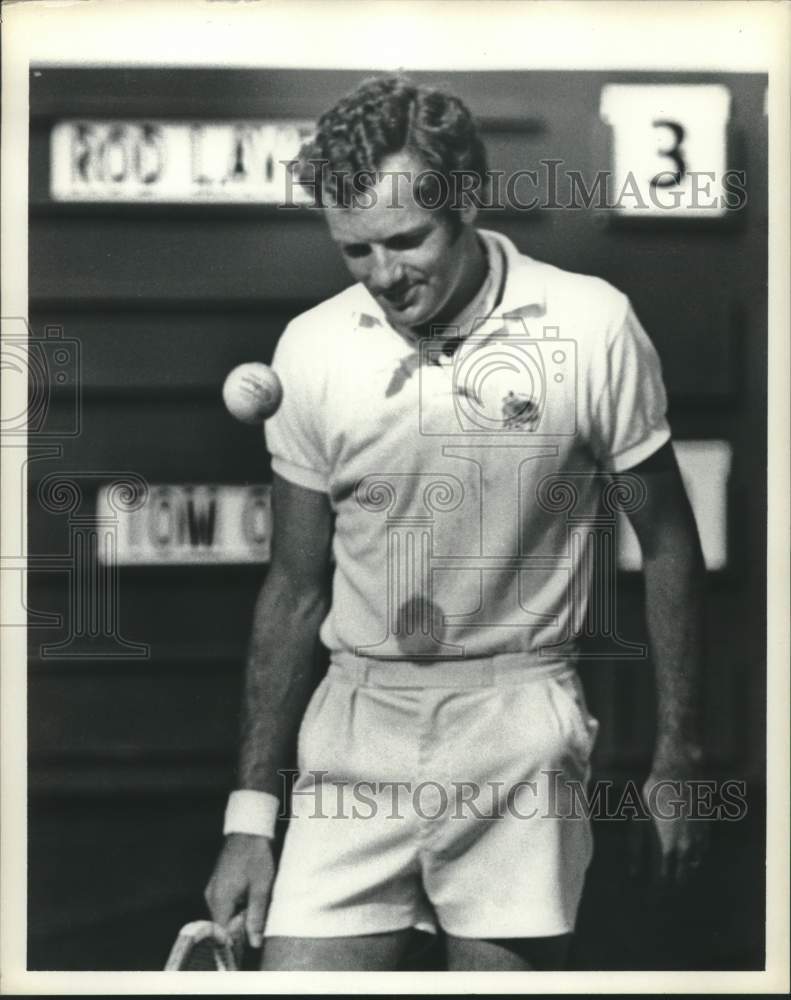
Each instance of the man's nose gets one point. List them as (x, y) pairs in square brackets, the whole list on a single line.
[(387, 272)]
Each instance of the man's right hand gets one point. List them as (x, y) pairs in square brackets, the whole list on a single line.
[(243, 875)]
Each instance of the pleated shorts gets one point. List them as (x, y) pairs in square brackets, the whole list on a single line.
[(438, 795)]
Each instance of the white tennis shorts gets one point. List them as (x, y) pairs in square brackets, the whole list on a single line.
[(445, 793)]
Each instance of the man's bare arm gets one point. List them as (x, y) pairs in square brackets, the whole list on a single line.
[(675, 582), (281, 660), (279, 680)]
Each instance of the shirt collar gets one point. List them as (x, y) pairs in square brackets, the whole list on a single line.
[(524, 293)]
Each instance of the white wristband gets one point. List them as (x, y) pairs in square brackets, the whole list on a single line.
[(252, 812)]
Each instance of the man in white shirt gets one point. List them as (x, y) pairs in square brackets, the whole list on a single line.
[(451, 430)]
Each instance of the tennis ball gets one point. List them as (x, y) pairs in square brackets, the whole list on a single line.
[(252, 392)]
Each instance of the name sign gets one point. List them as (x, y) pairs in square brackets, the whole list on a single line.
[(201, 524), (176, 161)]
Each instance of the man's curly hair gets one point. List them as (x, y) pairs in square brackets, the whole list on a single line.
[(386, 115)]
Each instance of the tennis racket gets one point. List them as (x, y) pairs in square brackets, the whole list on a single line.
[(203, 946)]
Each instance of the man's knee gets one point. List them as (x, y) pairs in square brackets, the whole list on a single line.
[(366, 953), (508, 954)]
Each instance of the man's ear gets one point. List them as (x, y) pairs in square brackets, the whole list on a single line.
[(468, 212)]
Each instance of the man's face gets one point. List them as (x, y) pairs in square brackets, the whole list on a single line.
[(410, 259)]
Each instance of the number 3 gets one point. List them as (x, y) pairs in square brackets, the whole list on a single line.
[(674, 153)]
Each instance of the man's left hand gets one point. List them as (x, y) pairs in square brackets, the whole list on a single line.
[(679, 840)]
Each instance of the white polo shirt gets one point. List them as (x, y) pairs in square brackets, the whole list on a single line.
[(469, 492)]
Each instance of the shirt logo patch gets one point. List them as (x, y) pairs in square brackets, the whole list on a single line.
[(519, 410)]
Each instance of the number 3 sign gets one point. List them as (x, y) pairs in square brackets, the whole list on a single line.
[(670, 150)]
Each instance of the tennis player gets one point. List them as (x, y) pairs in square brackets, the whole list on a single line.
[(444, 456)]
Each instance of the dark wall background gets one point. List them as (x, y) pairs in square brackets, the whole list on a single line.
[(129, 759)]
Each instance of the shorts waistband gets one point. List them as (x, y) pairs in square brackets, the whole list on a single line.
[(486, 671)]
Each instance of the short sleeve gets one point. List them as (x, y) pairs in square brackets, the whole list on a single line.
[(630, 412), (295, 434)]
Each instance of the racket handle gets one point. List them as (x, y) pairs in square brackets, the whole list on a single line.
[(193, 934)]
